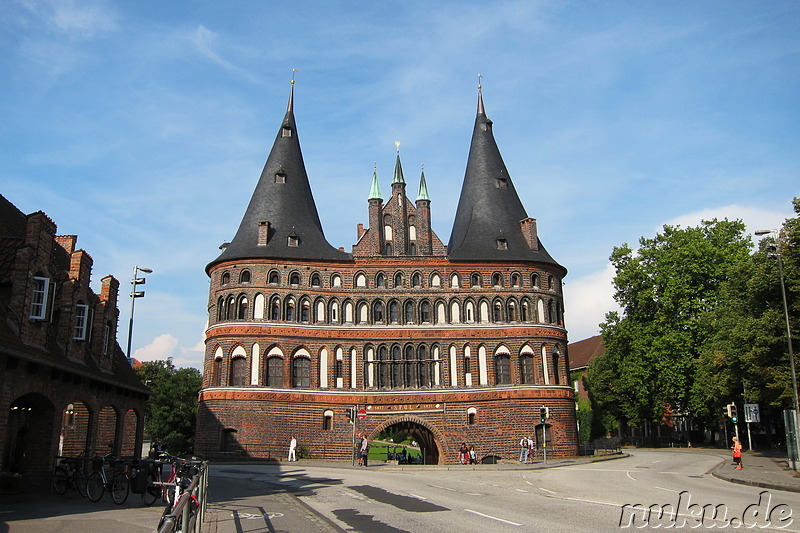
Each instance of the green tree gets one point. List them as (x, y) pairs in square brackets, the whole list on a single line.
[(665, 288), (171, 411)]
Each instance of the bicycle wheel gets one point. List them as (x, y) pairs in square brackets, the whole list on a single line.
[(80, 483), (94, 487), (60, 480), (120, 487), (152, 492)]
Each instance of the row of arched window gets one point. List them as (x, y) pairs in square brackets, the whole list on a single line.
[(403, 280), (301, 309), (389, 366)]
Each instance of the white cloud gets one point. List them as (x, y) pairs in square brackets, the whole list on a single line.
[(161, 348), (75, 20), (588, 299), (754, 218)]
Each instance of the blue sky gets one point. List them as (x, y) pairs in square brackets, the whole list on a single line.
[(142, 127)]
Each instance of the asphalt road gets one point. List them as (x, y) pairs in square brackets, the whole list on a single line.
[(588, 497)]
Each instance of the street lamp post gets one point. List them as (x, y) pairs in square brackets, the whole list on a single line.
[(135, 294), (796, 406)]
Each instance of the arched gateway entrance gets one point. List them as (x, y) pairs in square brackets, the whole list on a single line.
[(420, 431)]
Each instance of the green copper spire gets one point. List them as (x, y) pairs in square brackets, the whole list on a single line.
[(398, 168), (423, 188), (375, 190)]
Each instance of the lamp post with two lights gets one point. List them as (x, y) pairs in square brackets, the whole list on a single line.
[(135, 294)]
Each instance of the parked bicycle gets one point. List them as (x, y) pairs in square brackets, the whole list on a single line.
[(158, 486), (110, 477), (180, 513), (70, 472)]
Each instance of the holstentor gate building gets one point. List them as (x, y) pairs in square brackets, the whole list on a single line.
[(457, 343)]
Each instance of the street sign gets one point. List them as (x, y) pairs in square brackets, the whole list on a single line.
[(362, 414), (751, 413)]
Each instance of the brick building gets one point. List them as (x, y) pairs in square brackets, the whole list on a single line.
[(65, 386), (457, 343)]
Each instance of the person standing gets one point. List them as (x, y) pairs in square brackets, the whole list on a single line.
[(524, 449), (473, 456), (463, 454), (364, 450), (737, 453), (359, 455), (292, 448)]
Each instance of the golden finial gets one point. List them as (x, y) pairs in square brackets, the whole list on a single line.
[(479, 80), (375, 166), (397, 144), (293, 71)]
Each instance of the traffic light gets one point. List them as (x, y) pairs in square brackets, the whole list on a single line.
[(734, 413), (351, 414), (544, 414)]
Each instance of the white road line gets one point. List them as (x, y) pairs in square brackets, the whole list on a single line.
[(674, 473), (492, 517), (416, 496), (528, 482), (668, 490), (444, 488), (630, 476), (473, 493), (592, 501), (547, 491), (522, 490), (654, 462)]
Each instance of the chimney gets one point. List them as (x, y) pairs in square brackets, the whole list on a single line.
[(528, 227), (263, 232), (67, 242)]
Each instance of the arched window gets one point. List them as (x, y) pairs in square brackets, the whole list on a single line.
[(512, 311), (220, 308), (377, 312), (393, 311), (535, 280), (259, 306), (526, 368), (497, 312), (290, 310), (502, 369), (383, 377), (416, 280), (380, 280), (316, 281), (424, 379), (556, 369), (361, 280), (550, 316), (408, 312), (226, 278), (410, 375), (230, 308), (336, 280), (516, 279), (334, 312), (551, 283), (398, 280), (412, 249), (396, 369), (241, 308), (238, 372), (471, 415), (475, 279), (305, 311), (425, 311), (275, 309), (244, 276), (436, 280), (524, 312), (216, 377), (274, 372), (388, 247), (274, 277), (455, 281), (497, 279), (294, 278), (301, 372)]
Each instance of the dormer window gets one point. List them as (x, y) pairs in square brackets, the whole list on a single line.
[(487, 126), (286, 131), (280, 177), (294, 241), (502, 181), (502, 244)]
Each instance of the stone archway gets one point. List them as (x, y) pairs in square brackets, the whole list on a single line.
[(29, 437), (426, 436)]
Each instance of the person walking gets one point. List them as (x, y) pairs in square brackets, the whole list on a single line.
[(473, 457), (364, 450), (463, 454), (737, 453), (524, 449), (292, 448)]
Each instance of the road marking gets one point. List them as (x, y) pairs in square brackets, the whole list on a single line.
[(528, 482), (415, 496), (654, 462), (548, 491), (630, 476), (668, 490), (674, 473), (492, 517), (445, 488), (592, 501), (523, 490)]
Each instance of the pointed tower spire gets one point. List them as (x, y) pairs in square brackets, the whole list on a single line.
[(423, 187), (375, 190), (281, 220), (398, 168), (489, 206)]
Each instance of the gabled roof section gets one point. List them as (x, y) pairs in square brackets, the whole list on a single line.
[(281, 221), (489, 206), (582, 353)]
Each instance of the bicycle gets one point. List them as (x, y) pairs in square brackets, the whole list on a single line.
[(70, 473), (184, 471), (118, 485), (155, 485)]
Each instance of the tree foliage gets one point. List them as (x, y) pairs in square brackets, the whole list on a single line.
[(171, 411), (664, 288)]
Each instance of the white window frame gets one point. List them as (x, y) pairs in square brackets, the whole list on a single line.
[(39, 298), (83, 315)]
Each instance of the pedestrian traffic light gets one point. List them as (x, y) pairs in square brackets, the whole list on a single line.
[(734, 413), (351, 414), (544, 414)]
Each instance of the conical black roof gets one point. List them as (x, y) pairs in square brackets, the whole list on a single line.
[(283, 198), (489, 208)]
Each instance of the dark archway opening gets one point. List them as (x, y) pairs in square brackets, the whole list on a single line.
[(421, 435), (29, 439)]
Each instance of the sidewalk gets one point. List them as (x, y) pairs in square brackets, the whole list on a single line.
[(760, 469)]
